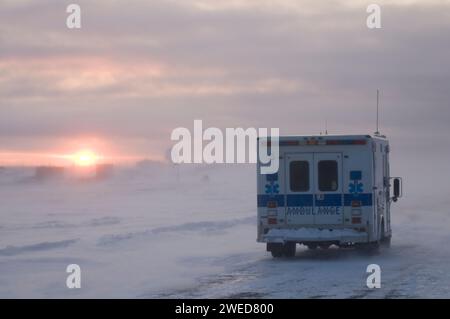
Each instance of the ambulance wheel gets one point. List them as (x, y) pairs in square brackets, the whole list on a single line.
[(324, 246), (276, 249), (312, 246), (276, 253), (370, 248), (386, 242), (289, 249), (374, 247)]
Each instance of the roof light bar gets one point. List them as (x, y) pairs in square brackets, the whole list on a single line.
[(346, 142), (313, 141)]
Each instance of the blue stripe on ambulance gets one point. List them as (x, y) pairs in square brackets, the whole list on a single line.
[(305, 200), (299, 200), (330, 200)]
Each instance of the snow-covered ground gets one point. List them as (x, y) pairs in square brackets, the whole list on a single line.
[(163, 231)]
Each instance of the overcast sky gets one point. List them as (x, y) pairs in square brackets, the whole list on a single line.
[(138, 69)]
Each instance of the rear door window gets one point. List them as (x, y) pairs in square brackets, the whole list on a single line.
[(328, 175), (299, 176)]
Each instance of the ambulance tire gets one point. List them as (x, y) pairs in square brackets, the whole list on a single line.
[(276, 253), (312, 246), (371, 248), (276, 249), (289, 249), (385, 241), (374, 247)]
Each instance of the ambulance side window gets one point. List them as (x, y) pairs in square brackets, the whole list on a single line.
[(328, 176), (299, 176)]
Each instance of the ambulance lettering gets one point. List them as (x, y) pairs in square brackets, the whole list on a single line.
[(328, 210), (300, 211)]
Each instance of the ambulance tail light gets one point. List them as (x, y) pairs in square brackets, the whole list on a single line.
[(272, 221), (272, 204), (356, 203), (356, 220)]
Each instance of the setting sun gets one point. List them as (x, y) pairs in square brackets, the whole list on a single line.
[(85, 158)]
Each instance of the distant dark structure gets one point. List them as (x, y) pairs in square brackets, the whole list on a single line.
[(104, 171), (49, 172)]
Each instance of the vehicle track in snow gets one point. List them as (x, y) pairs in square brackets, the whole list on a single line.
[(408, 271)]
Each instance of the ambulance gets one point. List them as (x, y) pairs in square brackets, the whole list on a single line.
[(328, 190)]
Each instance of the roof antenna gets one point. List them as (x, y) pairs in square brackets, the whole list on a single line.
[(378, 99), (326, 127)]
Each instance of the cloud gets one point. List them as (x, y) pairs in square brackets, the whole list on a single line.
[(138, 69)]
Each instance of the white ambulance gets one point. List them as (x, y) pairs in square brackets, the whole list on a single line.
[(329, 190)]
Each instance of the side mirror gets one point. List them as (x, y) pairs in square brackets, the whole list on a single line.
[(397, 188)]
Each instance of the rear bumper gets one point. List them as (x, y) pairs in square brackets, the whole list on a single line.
[(305, 235)]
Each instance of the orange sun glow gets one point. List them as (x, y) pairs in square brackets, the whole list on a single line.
[(85, 158)]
